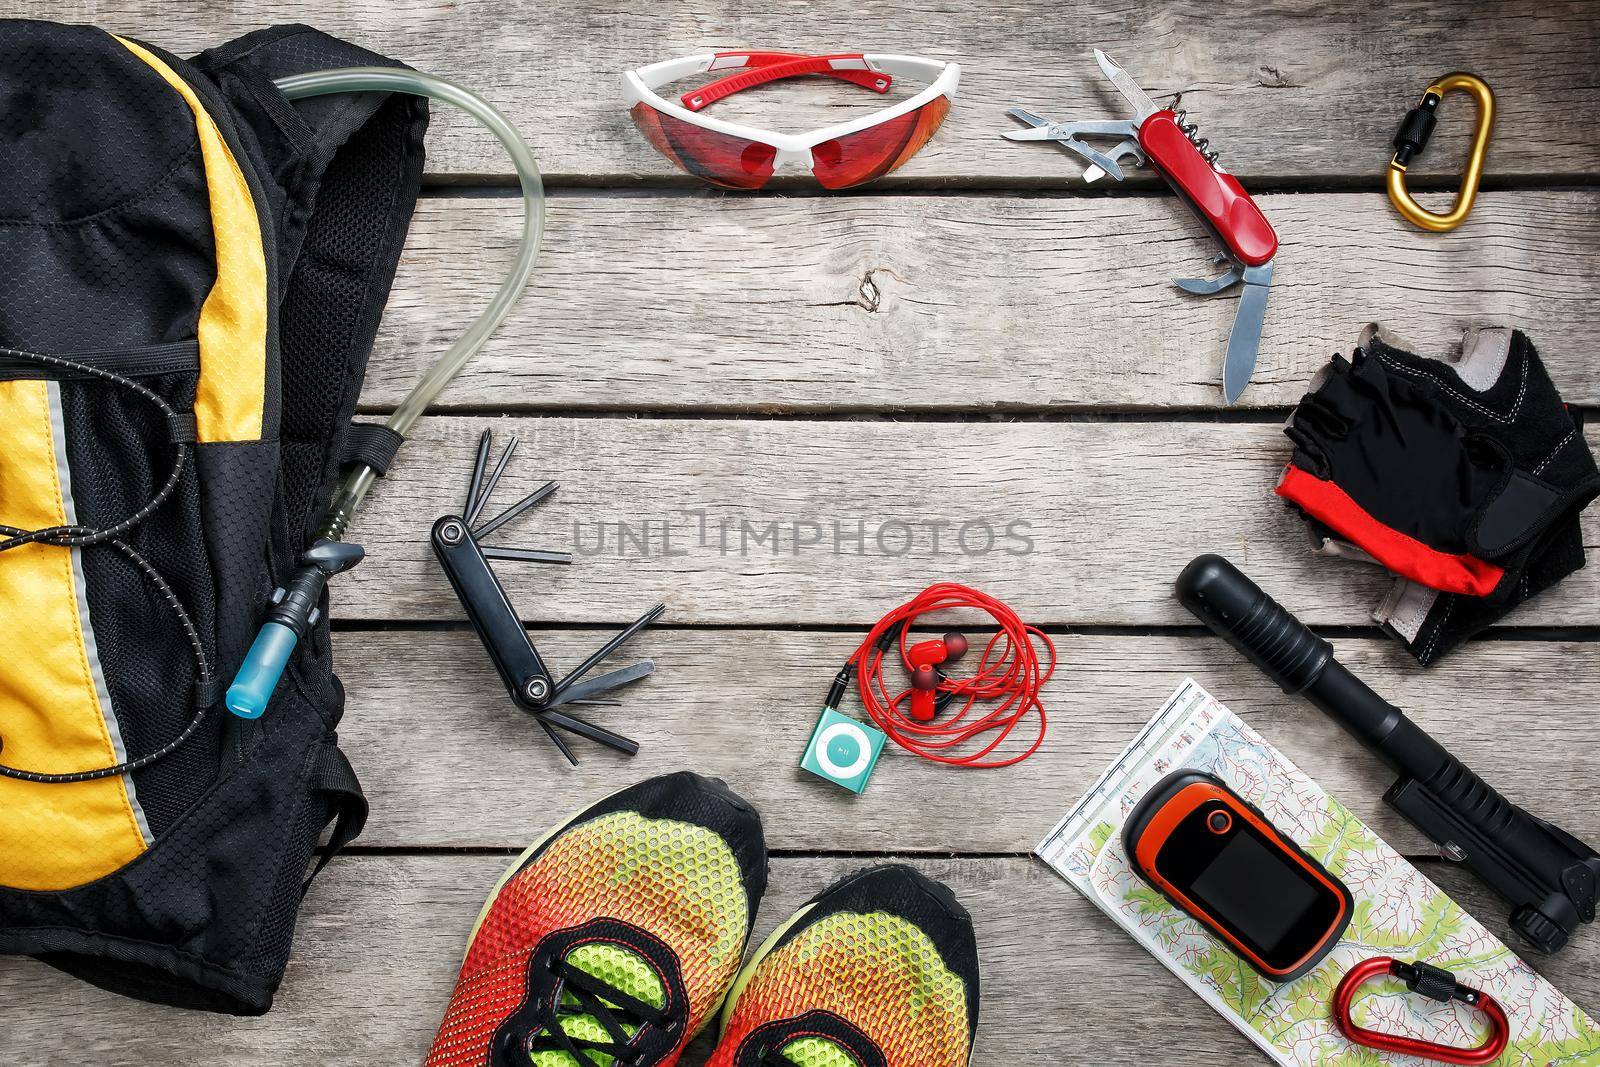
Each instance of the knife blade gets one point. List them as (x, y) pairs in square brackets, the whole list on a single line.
[(1245, 339), (1143, 106), (1028, 117)]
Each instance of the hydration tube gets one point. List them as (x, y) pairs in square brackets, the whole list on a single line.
[(294, 607)]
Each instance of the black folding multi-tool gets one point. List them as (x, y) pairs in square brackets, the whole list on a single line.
[(459, 545)]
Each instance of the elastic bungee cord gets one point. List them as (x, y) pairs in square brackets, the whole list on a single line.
[(1009, 674), (361, 477), (181, 428)]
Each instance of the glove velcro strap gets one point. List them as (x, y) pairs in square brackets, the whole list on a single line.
[(1404, 555), (1522, 509), (1518, 509)]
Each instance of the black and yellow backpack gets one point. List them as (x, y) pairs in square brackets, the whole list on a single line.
[(192, 270)]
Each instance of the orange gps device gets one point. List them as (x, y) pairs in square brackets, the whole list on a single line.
[(1216, 858)]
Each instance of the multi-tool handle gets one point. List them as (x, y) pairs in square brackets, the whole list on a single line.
[(489, 610), (1218, 197)]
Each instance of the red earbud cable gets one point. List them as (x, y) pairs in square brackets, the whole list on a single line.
[(1006, 683)]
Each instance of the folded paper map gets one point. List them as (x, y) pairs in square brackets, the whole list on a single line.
[(1398, 912)]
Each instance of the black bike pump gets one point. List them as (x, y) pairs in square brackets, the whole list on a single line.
[(1549, 877)]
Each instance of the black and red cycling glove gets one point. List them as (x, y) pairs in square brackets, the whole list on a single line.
[(1464, 479)]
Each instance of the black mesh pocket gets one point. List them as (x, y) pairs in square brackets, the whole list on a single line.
[(119, 455), (107, 595)]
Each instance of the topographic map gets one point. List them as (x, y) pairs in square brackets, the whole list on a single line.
[(1398, 912)]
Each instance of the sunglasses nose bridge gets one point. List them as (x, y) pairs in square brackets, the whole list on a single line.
[(792, 157)]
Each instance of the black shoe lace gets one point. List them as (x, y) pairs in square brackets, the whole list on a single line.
[(622, 1017)]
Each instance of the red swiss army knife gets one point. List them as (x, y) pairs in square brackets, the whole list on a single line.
[(1162, 137)]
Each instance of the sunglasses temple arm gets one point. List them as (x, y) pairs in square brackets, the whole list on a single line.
[(764, 67)]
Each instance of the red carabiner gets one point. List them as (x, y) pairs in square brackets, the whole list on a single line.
[(1434, 983)]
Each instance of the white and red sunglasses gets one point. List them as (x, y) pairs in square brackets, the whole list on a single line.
[(744, 157)]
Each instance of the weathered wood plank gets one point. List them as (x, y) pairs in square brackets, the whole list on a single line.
[(427, 716), (1114, 511), (970, 303), (381, 937), (1298, 90)]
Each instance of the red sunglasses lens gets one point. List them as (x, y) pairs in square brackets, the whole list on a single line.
[(871, 153), (732, 162)]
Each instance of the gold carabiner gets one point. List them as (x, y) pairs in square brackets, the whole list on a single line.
[(1413, 138)]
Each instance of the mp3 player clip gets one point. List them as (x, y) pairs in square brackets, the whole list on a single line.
[(1216, 858)]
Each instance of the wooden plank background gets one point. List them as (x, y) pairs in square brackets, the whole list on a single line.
[(978, 340), (982, 303)]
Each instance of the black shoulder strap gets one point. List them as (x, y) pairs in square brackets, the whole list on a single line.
[(346, 172)]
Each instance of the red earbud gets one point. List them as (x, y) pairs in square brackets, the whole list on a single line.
[(924, 658)]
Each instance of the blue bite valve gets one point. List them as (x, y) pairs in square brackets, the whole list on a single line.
[(294, 611), (259, 673)]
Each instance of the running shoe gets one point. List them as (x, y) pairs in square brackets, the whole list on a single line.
[(612, 939), (879, 970)]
